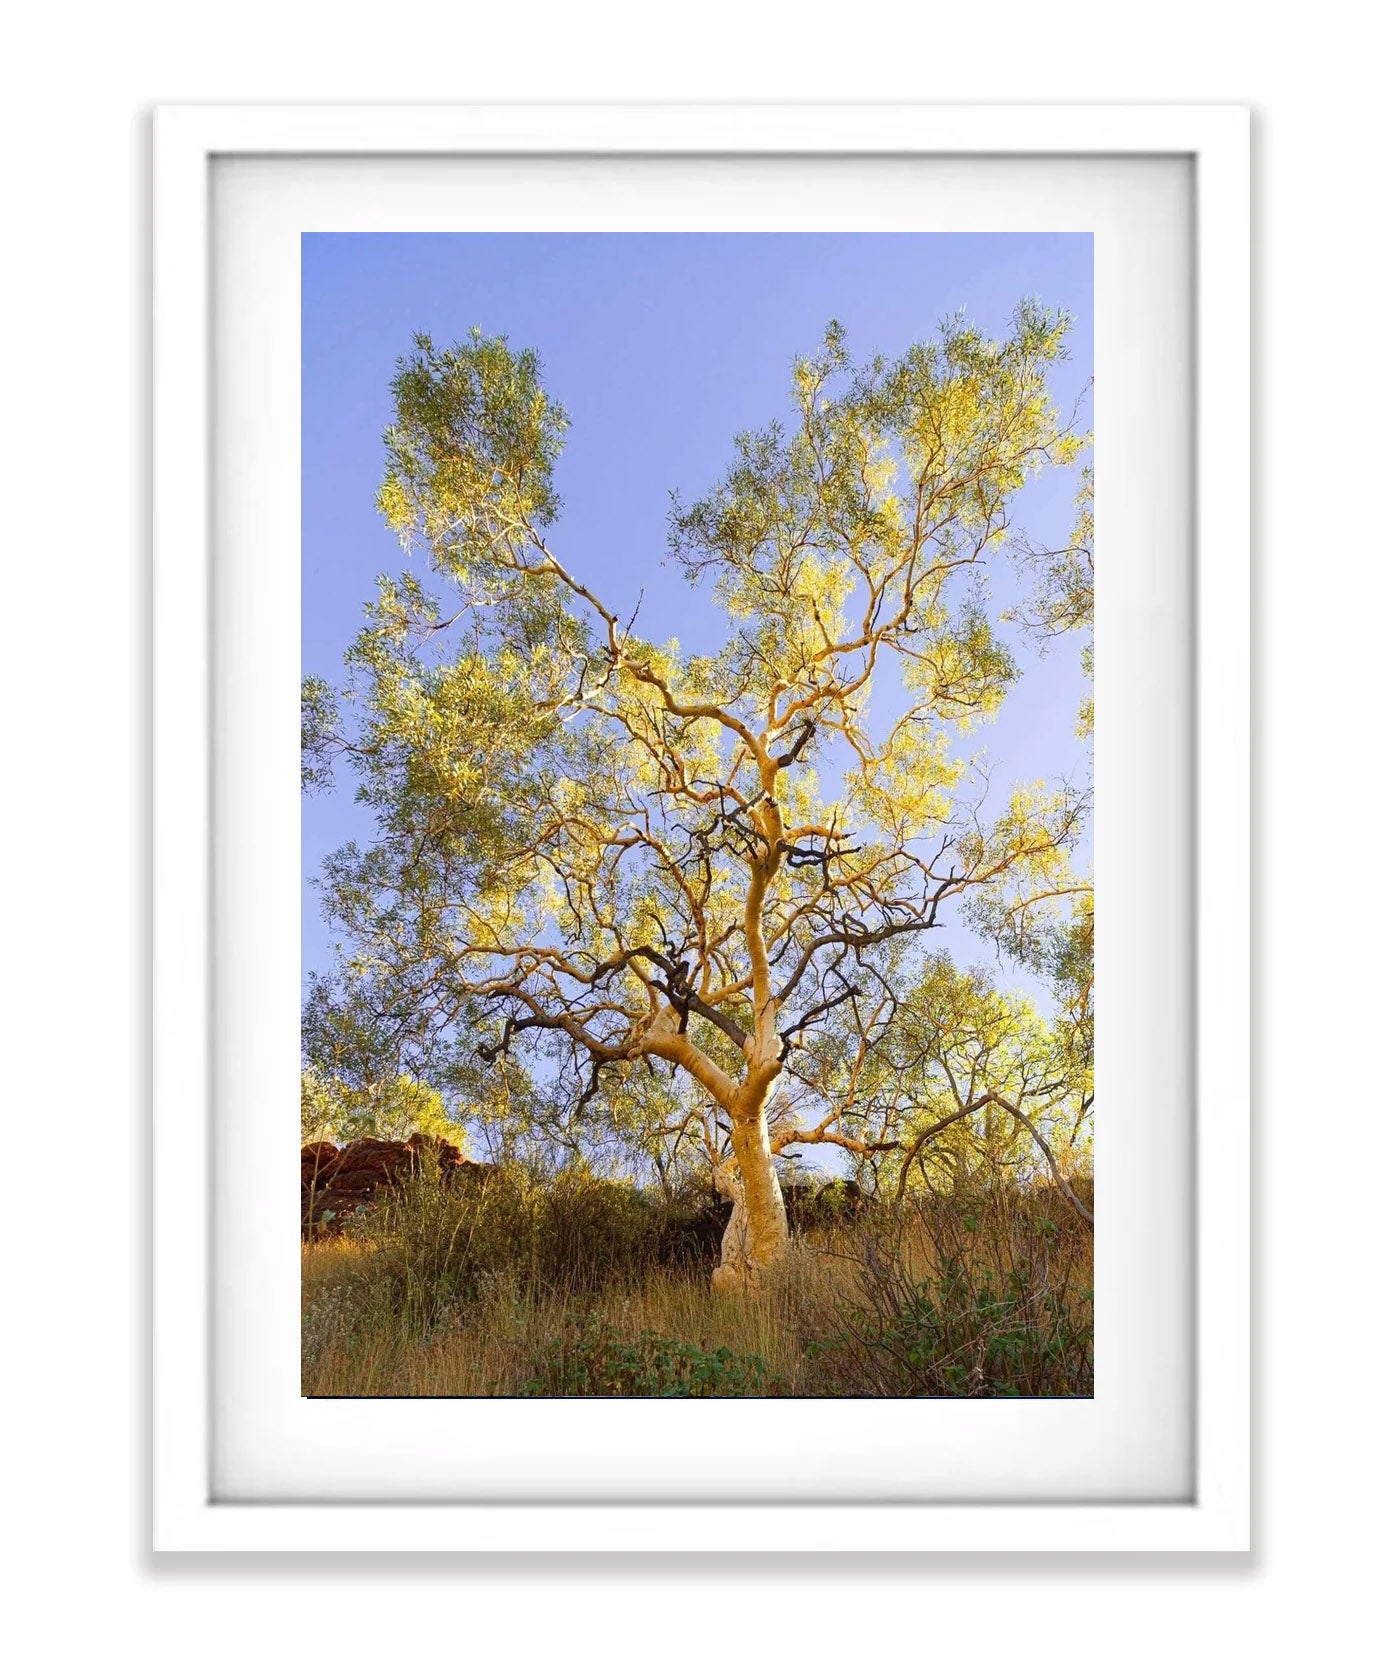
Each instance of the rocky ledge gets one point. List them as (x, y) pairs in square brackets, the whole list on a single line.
[(336, 1182)]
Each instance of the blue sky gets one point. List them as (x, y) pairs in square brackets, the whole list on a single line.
[(661, 347)]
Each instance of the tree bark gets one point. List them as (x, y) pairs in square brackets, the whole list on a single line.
[(756, 1236)]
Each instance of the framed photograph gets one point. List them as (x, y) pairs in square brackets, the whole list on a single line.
[(739, 845)]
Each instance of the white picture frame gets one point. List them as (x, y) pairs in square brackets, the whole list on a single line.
[(190, 720)]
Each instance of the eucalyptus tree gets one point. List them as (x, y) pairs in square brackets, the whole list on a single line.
[(703, 864), (394, 1107)]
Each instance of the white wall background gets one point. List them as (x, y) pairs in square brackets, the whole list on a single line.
[(77, 87)]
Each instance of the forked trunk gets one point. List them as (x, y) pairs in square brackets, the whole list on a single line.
[(757, 1233)]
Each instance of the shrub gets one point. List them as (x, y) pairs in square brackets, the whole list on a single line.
[(427, 1245), (587, 1231), (986, 1296), (690, 1228), (595, 1358)]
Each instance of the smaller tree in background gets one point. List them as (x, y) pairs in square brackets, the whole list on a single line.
[(394, 1108)]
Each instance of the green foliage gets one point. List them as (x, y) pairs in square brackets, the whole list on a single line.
[(956, 1337), (584, 1230), (395, 1107), (319, 720), (322, 1108), (596, 1358), (1061, 601), (959, 1035), (985, 1296), (474, 431), (911, 462)]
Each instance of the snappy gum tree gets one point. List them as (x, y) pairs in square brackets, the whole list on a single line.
[(706, 861)]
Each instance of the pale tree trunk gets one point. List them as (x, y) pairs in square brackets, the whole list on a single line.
[(757, 1233)]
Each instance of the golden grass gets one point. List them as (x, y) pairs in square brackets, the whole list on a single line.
[(494, 1349), (846, 1314)]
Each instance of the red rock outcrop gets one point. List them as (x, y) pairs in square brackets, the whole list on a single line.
[(336, 1182)]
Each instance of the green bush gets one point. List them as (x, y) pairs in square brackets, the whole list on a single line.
[(690, 1225), (972, 1298), (597, 1359), (588, 1231)]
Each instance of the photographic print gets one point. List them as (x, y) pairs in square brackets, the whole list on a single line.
[(697, 766)]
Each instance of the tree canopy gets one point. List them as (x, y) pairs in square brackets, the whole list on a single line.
[(688, 894)]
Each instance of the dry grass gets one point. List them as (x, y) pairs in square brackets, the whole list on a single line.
[(495, 1348), (976, 1295)]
